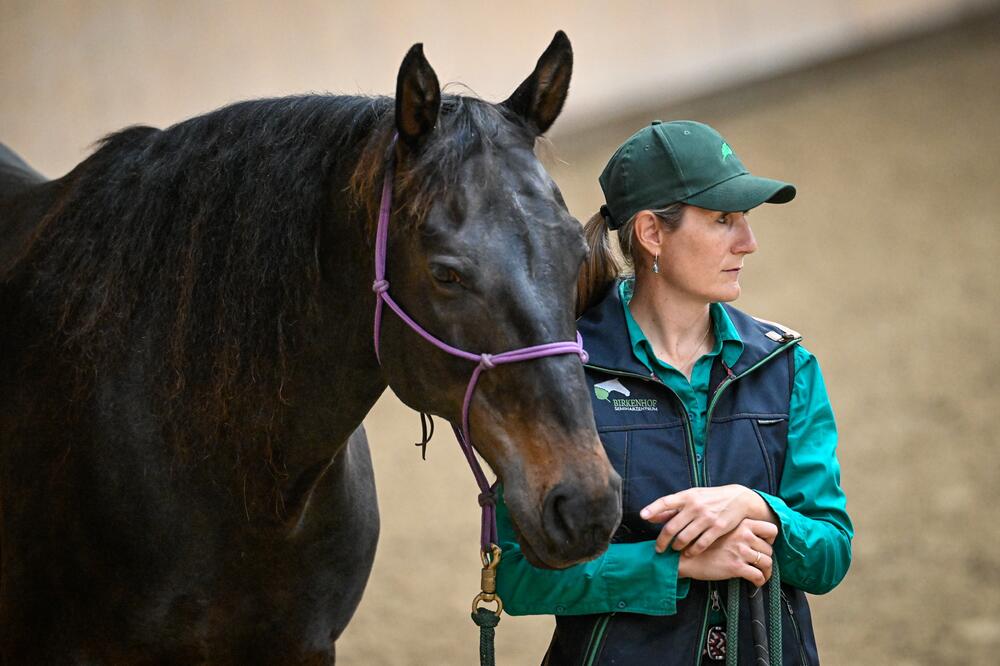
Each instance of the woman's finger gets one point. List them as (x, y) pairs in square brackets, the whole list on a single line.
[(678, 522), (760, 545), (720, 526), (752, 574), (704, 540), (666, 503), (756, 559), (671, 529), (691, 532), (763, 529), (662, 516), (764, 563)]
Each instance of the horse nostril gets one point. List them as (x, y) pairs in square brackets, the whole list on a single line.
[(558, 515), (576, 524)]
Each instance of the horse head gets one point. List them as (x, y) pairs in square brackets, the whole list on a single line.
[(483, 253)]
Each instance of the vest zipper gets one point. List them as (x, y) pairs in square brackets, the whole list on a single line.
[(596, 640), (715, 603)]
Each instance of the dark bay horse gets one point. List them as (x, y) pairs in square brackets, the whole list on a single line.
[(187, 356)]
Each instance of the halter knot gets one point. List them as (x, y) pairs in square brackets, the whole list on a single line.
[(487, 498), (584, 356), (380, 286), (486, 360)]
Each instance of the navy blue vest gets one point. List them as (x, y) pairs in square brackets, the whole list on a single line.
[(645, 431)]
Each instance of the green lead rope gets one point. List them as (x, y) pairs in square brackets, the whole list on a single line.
[(774, 596), (774, 618), (487, 620), (733, 621)]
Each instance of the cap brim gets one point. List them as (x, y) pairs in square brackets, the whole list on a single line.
[(743, 192)]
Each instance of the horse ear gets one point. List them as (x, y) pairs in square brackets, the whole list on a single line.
[(540, 98), (418, 97)]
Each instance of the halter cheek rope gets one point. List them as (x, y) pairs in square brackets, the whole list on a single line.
[(487, 496)]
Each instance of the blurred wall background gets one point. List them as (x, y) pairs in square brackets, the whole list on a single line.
[(72, 70), (882, 112)]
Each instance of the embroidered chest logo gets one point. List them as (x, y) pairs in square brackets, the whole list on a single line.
[(604, 390)]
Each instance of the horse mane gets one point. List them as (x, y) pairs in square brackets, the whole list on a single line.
[(194, 250)]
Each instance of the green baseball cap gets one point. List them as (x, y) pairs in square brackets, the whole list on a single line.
[(682, 161)]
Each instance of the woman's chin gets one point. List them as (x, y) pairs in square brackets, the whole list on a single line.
[(728, 293)]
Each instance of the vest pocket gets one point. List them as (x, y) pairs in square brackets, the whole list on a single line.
[(736, 453), (767, 429), (796, 635)]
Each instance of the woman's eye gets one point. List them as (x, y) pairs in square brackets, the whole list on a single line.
[(723, 219), (445, 275)]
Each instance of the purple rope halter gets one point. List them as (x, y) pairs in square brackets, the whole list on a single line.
[(487, 496)]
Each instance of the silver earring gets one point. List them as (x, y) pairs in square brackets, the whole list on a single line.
[(656, 264)]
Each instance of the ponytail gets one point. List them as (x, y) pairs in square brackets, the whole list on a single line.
[(603, 266), (600, 269)]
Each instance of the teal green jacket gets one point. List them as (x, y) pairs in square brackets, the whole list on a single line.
[(813, 547)]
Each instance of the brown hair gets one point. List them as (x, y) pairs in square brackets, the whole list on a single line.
[(602, 266)]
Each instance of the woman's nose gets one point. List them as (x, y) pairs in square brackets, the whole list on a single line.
[(747, 243)]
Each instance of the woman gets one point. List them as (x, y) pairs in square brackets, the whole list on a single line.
[(718, 423)]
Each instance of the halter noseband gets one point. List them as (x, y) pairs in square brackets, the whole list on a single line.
[(380, 286)]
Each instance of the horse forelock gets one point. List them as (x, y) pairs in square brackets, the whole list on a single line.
[(466, 126)]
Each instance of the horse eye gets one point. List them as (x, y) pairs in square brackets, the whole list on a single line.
[(445, 274)]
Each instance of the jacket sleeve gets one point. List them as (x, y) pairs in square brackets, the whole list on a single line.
[(814, 539), (628, 577)]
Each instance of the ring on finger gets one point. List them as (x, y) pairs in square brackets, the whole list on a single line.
[(758, 558)]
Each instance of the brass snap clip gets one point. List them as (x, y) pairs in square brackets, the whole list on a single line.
[(488, 580)]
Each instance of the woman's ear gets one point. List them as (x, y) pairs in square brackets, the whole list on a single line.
[(649, 233)]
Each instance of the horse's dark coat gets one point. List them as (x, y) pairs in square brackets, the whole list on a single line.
[(187, 357)]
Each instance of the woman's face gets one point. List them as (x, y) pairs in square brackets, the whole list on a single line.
[(703, 258)]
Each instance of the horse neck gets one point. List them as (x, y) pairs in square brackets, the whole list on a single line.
[(340, 375)]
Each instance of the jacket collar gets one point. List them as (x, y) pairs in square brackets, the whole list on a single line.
[(760, 339), (605, 337)]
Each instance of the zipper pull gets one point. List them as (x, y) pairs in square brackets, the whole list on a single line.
[(716, 606), (788, 604), (730, 376)]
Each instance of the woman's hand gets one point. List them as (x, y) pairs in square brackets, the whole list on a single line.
[(696, 517), (744, 552)]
